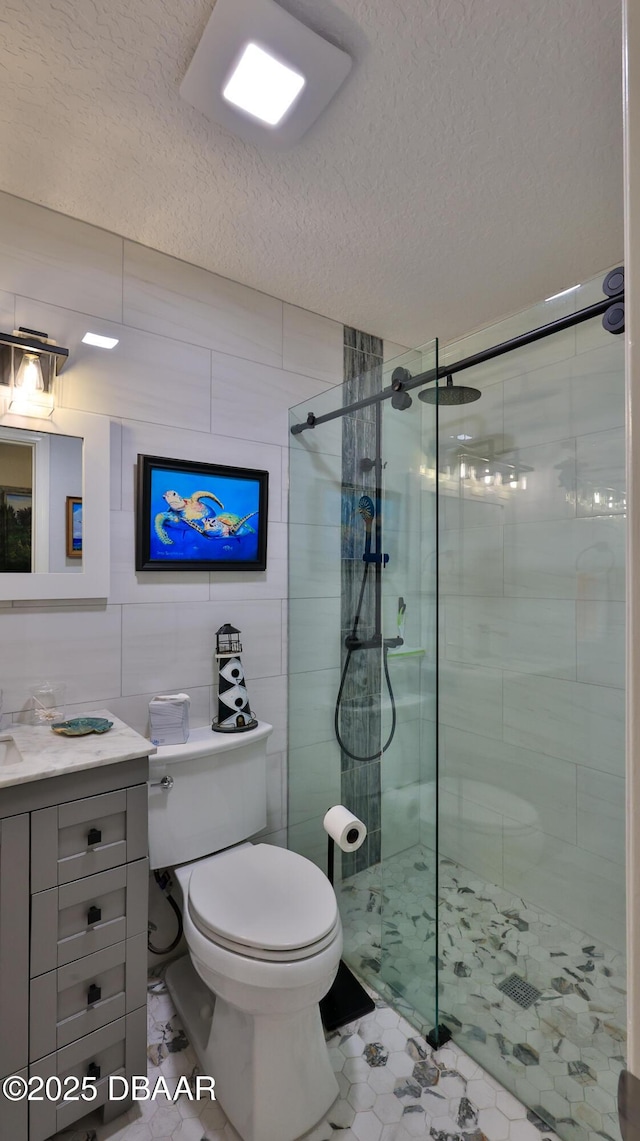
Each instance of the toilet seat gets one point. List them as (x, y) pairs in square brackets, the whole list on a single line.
[(264, 903)]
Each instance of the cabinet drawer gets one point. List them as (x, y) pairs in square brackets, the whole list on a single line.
[(86, 915), (84, 837), (119, 1048), (81, 997)]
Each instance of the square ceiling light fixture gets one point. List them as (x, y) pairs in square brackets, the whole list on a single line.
[(261, 73)]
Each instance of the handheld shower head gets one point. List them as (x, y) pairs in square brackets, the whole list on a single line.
[(366, 508)]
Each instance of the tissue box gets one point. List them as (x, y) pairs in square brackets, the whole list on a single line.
[(169, 718)]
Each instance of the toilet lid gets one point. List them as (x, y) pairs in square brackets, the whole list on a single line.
[(263, 897)]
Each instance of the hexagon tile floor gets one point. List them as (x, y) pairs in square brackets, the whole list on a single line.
[(392, 1088), (560, 1050)]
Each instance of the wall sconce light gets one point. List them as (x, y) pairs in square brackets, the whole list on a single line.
[(29, 364)]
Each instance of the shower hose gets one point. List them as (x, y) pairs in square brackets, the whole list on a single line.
[(352, 644)]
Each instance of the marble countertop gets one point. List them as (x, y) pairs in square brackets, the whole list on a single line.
[(47, 754)]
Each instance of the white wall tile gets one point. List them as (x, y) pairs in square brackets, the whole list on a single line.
[(53, 258), (7, 310), (115, 468), (570, 558), (470, 561), (268, 697), (272, 583), (314, 561), (142, 378), (170, 297), (80, 649), (314, 781), (252, 400), (150, 439), (601, 637), (313, 345), (526, 635), (551, 483), (597, 386), (129, 585), (310, 840), (402, 759), (470, 697), (312, 699), (600, 467), (601, 814), (580, 722), (172, 647), (538, 407), (134, 710), (400, 816), (315, 488), (519, 784), (469, 833), (315, 634)]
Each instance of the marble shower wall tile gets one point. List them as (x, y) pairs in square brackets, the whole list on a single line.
[(601, 814), (56, 259), (582, 887), (521, 785), (526, 635), (573, 720), (601, 635), (170, 297), (600, 468), (470, 697), (571, 558), (471, 561)]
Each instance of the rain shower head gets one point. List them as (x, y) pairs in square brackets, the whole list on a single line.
[(450, 394)]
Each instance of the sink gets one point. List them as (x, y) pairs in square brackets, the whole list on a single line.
[(9, 751)]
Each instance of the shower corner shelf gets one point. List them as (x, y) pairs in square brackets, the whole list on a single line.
[(407, 652)]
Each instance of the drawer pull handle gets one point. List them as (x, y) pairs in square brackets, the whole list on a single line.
[(93, 1070), (94, 837), (94, 915), (93, 994)]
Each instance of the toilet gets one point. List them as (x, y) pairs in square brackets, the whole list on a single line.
[(263, 931)]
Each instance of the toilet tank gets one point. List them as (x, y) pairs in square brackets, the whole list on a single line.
[(218, 796)]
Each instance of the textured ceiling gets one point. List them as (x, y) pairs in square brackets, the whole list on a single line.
[(471, 164)]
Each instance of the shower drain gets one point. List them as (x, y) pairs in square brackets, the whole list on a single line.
[(520, 991)]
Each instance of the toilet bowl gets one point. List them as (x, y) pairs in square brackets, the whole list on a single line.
[(264, 937)]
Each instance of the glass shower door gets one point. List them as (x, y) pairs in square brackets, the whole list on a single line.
[(362, 656), (531, 718)]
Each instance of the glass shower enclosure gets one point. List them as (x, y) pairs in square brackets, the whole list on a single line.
[(456, 665)]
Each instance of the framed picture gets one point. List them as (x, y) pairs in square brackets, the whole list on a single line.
[(74, 527), (197, 516), (15, 530)]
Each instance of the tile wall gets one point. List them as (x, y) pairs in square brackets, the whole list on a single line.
[(205, 369)]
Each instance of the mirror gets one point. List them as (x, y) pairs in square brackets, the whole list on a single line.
[(54, 507), (40, 502)]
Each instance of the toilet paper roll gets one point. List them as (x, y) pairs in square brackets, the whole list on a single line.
[(348, 832)]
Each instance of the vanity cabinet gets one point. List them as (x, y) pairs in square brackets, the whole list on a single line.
[(73, 938)]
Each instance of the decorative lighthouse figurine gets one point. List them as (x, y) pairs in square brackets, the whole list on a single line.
[(234, 712)]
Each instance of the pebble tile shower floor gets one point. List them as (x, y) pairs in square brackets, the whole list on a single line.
[(392, 1088), (562, 1053)]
